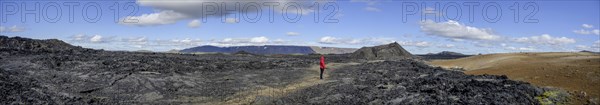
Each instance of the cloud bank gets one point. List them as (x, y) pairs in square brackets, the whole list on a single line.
[(455, 30)]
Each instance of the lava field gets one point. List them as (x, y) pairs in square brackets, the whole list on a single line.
[(412, 82), (50, 72), (125, 77)]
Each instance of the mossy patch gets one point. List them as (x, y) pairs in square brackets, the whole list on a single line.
[(552, 97)]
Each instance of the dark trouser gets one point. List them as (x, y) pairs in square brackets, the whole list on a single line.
[(322, 73)]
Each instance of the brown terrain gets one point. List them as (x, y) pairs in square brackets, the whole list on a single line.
[(577, 73)]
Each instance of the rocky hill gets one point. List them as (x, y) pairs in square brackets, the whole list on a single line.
[(589, 51), (18, 43), (389, 51)]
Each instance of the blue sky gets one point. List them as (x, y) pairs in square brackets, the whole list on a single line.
[(542, 26)]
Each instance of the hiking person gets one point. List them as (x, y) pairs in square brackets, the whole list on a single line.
[(322, 65)]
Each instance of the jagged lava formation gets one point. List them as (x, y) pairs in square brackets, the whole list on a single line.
[(410, 82), (53, 72)]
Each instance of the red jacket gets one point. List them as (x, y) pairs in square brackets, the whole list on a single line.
[(322, 62)]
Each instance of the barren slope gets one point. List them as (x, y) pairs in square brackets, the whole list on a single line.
[(575, 72)]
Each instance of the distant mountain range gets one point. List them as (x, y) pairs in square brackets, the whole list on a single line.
[(589, 51), (445, 53), (269, 49)]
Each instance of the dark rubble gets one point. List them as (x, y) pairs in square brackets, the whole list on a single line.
[(126, 77), (412, 82)]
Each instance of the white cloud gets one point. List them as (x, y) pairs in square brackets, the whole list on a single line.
[(79, 37), (585, 31), (252, 41), (594, 47), (422, 44), (82, 38), (456, 40), (372, 9), (368, 2), (447, 46), (97, 39), (137, 46), (137, 40), (527, 49), (260, 39), (330, 40), (334, 40), (587, 26), (583, 47), (232, 20), (545, 39), (455, 30), (14, 28), (429, 10), (361, 41), (186, 42), (143, 43), (280, 41), (370, 5), (169, 44), (378, 41), (194, 24), (292, 33), (483, 44), (582, 31), (169, 12), (160, 18), (304, 10), (520, 48)]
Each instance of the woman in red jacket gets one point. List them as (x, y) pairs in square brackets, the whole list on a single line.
[(322, 65)]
